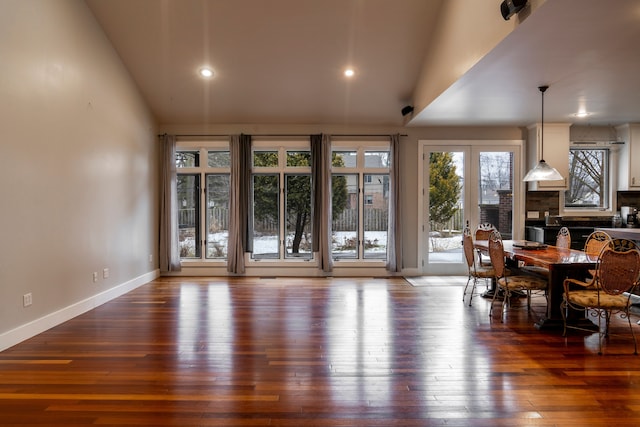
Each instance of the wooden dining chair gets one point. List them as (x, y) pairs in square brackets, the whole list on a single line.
[(595, 243), (476, 271), (616, 277), (482, 232), (563, 240), (513, 281)]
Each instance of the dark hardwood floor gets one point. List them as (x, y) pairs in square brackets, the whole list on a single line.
[(314, 352)]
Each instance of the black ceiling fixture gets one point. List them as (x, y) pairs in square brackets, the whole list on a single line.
[(407, 110), (508, 8)]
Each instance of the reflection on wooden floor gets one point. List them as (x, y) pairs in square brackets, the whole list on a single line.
[(313, 352)]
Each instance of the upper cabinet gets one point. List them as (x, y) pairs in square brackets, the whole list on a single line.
[(555, 152), (629, 158)]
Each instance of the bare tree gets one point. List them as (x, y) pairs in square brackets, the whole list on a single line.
[(495, 174), (586, 177)]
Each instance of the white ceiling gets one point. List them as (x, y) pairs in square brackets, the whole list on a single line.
[(281, 62)]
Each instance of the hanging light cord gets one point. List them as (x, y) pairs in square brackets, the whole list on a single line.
[(542, 91)]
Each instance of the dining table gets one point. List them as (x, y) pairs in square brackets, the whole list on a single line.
[(562, 263)]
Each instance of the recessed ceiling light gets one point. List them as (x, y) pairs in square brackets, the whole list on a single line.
[(349, 72), (582, 109), (206, 72)]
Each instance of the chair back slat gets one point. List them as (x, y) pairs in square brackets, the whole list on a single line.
[(621, 245)]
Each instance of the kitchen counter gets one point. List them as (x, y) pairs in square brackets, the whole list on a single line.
[(622, 233)]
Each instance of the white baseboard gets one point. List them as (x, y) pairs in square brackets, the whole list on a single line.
[(412, 272), (33, 328)]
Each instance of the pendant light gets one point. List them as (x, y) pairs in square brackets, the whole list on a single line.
[(542, 171)]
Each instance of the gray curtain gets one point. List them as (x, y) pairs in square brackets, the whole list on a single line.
[(169, 257), (394, 233), (240, 147), (321, 175), (316, 166), (247, 205)]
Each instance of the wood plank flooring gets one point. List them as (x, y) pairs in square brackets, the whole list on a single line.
[(314, 352)]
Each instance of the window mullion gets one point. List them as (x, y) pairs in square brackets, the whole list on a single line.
[(360, 214), (283, 212), (203, 216)]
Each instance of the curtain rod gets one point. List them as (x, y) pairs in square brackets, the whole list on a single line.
[(284, 135)]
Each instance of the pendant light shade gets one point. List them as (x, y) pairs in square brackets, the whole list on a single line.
[(542, 171)]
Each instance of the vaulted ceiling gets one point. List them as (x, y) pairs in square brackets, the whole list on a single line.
[(282, 61)]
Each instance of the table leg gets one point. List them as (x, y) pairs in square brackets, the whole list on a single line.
[(516, 294), (553, 319)]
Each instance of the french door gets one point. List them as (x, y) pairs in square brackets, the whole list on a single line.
[(467, 183)]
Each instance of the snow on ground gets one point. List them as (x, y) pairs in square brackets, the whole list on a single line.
[(269, 244)]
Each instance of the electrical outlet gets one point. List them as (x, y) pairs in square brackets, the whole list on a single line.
[(27, 299), (95, 276), (150, 258), (105, 273)]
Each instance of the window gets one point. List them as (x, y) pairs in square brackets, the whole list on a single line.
[(203, 212), (188, 214), (187, 159), (217, 198), (588, 179), (281, 201), (360, 200), (281, 204)]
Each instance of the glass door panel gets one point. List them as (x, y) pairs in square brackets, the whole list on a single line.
[(344, 227), (376, 215), (495, 192), (266, 216), (445, 209), (463, 184)]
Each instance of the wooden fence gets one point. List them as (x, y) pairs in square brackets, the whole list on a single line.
[(347, 220), (217, 218), (374, 220), (455, 223)]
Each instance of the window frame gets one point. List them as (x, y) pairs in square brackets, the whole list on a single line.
[(283, 146), (283, 170), (203, 147), (362, 171), (608, 193), (193, 196)]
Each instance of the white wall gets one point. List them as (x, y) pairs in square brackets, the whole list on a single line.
[(79, 163)]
